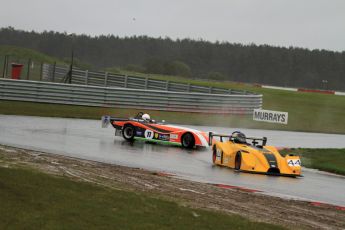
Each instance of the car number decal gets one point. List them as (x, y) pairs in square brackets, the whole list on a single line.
[(219, 155), (294, 162), (148, 134), (173, 136)]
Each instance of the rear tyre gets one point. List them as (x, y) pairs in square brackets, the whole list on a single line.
[(238, 161), (128, 132), (187, 140)]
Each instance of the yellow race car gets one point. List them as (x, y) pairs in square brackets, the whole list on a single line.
[(233, 151)]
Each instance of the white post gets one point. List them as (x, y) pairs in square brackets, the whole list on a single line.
[(146, 83), (86, 77), (125, 84), (105, 79)]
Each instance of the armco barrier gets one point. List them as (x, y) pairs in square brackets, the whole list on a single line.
[(35, 91), (339, 93), (51, 73), (315, 91), (279, 88), (331, 92)]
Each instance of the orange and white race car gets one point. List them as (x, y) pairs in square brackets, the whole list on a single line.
[(143, 127)]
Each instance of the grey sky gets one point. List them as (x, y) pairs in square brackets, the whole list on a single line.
[(313, 24)]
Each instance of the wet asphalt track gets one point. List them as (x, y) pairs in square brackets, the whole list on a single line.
[(86, 139)]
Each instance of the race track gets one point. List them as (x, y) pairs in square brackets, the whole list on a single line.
[(86, 139)]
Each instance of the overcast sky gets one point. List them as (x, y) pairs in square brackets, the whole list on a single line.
[(313, 24)]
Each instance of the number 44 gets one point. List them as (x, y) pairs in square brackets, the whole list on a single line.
[(292, 162)]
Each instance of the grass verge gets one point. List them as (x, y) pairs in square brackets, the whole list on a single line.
[(332, 122), (33, 200), (26, 54), (329, 160), (309, 112)]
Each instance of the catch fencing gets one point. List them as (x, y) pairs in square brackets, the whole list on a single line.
[(54, 73), (150, 96), (31, 69)]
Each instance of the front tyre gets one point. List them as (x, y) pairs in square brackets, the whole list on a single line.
[(128, 132), (188, 141), (238, 161), (214, 155)]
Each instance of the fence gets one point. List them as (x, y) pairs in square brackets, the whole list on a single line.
[(31, 70), (36, 91), (53, 73)]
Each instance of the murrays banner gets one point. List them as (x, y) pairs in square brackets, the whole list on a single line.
[(270, 116)]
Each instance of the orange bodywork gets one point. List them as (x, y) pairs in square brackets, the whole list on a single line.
[(255, 159), (163, 132)]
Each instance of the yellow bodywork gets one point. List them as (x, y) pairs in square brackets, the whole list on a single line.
[(256, 159)]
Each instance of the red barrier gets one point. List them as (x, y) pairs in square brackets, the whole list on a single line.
[(325, 205), (316, 91), (16, 70)]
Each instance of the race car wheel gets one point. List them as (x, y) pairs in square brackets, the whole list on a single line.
[(187, 140), (238, 160), (128, 132), (214, 154)]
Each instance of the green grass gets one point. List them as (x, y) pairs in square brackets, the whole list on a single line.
[(22, 56), (26, 54), (307, 112), (33, 200), (71, 111), (329, 160), (310, 112)]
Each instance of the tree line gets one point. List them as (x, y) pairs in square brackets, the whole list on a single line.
[(263, 64)]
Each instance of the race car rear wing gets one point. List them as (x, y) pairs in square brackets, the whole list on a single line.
[(254, 139), (211, 135), (106, 120)]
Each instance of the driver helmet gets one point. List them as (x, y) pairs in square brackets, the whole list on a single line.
[(146, 117), (239, 137)]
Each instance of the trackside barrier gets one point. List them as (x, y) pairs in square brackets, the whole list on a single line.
[(339, 93), (36, 91), (315, 91), (277, 87), (302, 90), (53, 73)]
